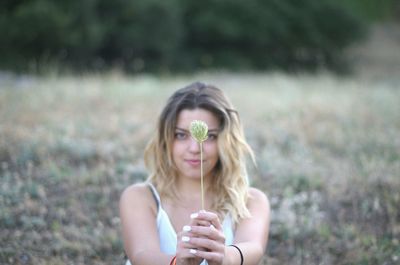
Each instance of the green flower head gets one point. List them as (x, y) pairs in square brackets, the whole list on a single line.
[(199, 130)]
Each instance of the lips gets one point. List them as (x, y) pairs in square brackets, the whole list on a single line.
[(193, 162)]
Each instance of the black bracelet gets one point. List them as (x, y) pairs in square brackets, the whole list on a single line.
[(240, 252)]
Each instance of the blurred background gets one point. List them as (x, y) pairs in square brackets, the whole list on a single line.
[(171, 36), (317, 84)]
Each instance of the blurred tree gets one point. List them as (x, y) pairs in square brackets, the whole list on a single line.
[(176, 35), (31, 29), (372, 10), (263, 34), (140, 33)]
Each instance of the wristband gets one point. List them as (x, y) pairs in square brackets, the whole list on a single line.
[(240, 252)]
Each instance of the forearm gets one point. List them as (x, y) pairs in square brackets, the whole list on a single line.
[(150, 258), (252, 254)]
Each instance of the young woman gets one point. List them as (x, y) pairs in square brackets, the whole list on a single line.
[(162, 219)]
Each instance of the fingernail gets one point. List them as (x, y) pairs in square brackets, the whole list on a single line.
[(212, 226), (194, 215), (187, 228), (193, 251), (185, 239)]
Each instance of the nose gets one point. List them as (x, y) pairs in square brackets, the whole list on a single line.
[(194, 146)]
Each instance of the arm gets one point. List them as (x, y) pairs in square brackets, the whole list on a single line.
[(252, 233), (138, 212)]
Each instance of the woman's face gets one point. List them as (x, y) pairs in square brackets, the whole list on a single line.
[(186, 151)]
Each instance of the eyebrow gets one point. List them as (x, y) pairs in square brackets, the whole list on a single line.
[(209, 131)]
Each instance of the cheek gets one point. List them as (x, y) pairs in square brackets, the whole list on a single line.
[(178, 148), (211, 149), (175, 149)]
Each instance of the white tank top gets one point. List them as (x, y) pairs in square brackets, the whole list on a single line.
[(166, 232)]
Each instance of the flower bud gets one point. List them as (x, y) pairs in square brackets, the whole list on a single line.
[(199, 130)]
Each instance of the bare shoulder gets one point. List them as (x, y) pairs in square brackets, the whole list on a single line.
[(258, 198), (136, 189), (137, 195)]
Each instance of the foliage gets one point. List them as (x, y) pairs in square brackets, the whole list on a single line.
[(176, 35), (373, 10), (266, 34), (89, 33)]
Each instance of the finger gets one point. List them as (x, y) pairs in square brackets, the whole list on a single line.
[(187, 245), (208, 231), (184, 245), (187, 254), (184, 237), (207, 244), (208, 216), (196, 221), (216, 257), (185, 241), (183, 250)]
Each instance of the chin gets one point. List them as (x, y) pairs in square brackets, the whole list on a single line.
[(193, 176)]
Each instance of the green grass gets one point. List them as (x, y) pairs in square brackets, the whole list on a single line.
[(328, 155)]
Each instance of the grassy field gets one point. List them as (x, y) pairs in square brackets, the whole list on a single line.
[(328, 156)]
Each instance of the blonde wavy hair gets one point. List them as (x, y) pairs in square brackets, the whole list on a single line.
[(230, 181)]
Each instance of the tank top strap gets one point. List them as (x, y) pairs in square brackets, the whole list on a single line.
[(155, 194)]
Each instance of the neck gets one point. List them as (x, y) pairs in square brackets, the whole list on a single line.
[(189, 192)]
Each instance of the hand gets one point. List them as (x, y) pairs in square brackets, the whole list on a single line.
[(185, 246), (206, 239)]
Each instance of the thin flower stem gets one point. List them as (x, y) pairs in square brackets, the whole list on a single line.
[(201, 175)]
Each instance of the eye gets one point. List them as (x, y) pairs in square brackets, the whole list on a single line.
[(180, 135), (212, 137)]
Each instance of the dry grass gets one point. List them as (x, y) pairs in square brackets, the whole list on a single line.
[(328, 153)]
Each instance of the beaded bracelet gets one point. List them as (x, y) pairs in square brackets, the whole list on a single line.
[(240, 252)]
